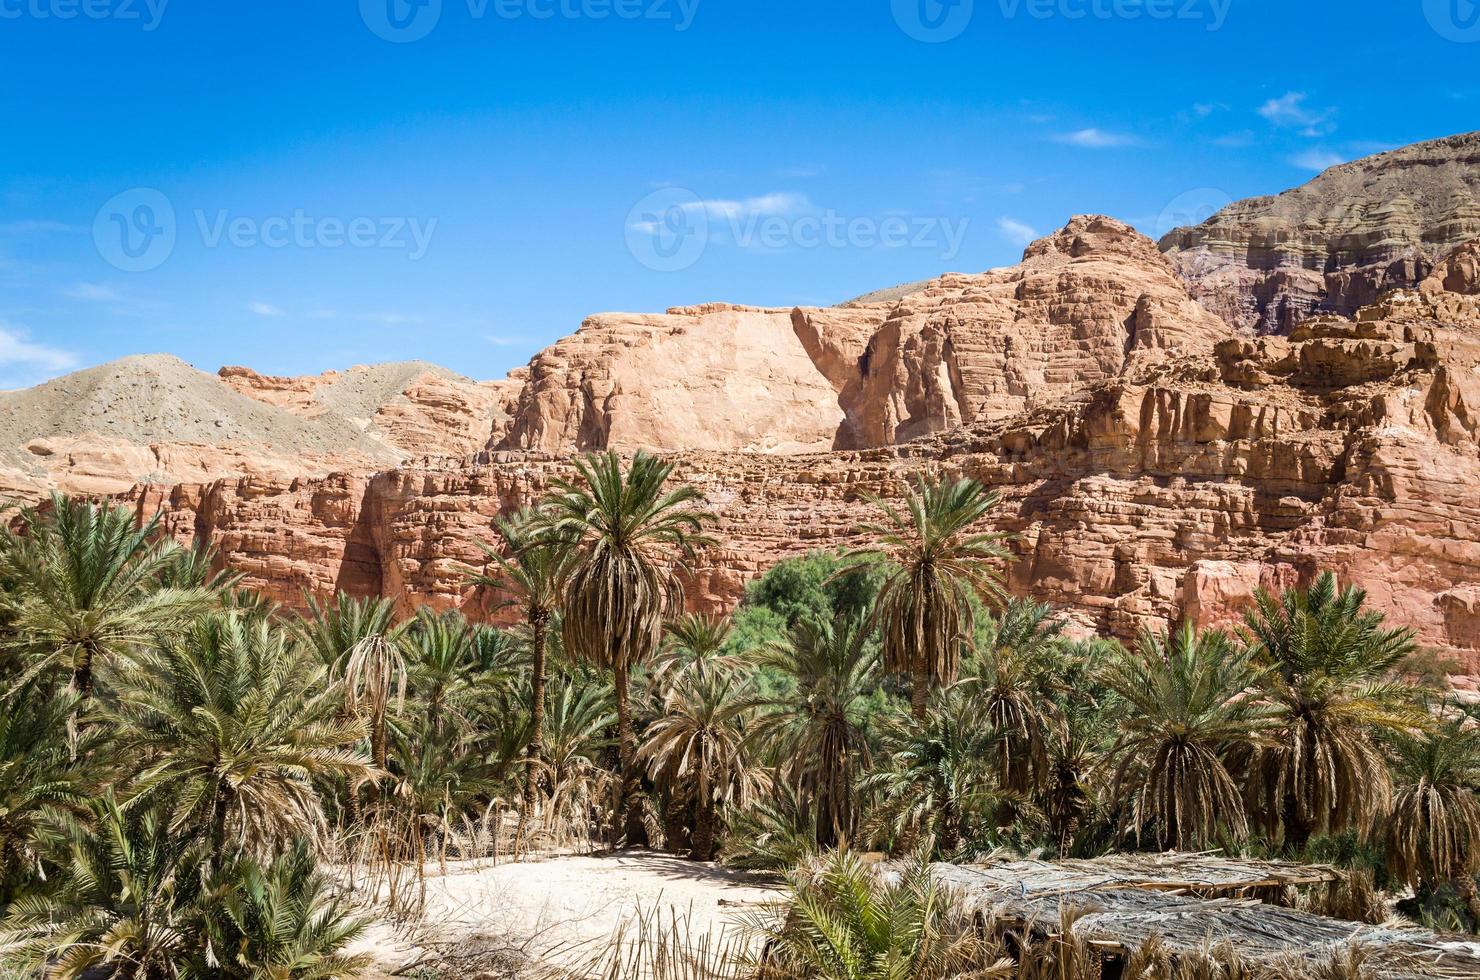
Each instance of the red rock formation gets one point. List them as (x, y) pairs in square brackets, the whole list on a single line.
[(1174, 488)]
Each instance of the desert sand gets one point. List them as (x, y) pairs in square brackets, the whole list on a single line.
[(564, 909)]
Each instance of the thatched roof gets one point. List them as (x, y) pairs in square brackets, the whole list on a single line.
[(1117, 904), (1204, 874)]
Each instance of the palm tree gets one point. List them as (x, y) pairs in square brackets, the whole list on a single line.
[(232, 724), (129, 885), (699, 746), (818, 723), (90, 587), (938, 569), (442, 670), (579, 719), (1008, 677), (534, 570), (1186, 705), (696, 643), (630, 539), (333, 630), (845, 921), (38, 774), (281, 921), (1433, 829), (938, 783), (1329, 665)]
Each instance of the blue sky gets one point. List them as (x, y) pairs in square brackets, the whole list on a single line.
[(276, 184)]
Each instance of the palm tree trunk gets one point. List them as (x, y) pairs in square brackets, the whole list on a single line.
[(220, 809), (533, 755), (1471, 896), (920, 695), (629, 810), (704, 829)]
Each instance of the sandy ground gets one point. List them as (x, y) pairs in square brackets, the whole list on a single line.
[(565, 908)]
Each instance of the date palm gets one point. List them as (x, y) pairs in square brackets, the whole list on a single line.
[(90, 589), (818, 724), (1186, 705), (1433, 828), (1329, 664), (280, 921), (938, 568), (630, 539), (442, 670), (128, 886), (580, 716), (695, 644), (937, 783), (38, 774), (534, 571), (1009, 678), (232, 725), (699, 747)]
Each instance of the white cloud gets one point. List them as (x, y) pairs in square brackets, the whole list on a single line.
[(23, 362), (264, 309), (92, 292), (498, 341), (394, 319), (776, 203), (1317, 160), (1206, 109), (1017, 232), (37, 227), (1096, 139), (1290, 111)]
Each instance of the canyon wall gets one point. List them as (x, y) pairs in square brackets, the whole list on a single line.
[(1337, 243)]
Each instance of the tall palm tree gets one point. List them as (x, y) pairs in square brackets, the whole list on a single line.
[(332, 630), (938, 569), (818, 724), (534, 571), (699, 746), (1186, 705), (90, 579), (1433, 828), (630, 540), (1329, 666), (231, 724)]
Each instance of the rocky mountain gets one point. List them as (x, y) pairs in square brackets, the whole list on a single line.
[(156, 419), (1337, 243), (1156, 460)]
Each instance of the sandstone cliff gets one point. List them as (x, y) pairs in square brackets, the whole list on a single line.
[(1337, 243), (1177, 485)]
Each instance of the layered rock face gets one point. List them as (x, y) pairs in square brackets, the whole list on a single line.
[(1176, 486), (713, 377), (1337, 243), (1086, 304)]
